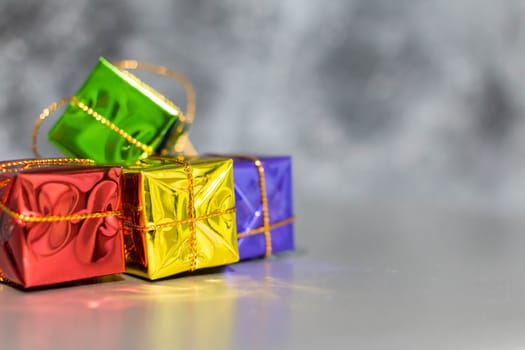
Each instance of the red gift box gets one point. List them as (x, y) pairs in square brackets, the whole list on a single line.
[(59, 223)]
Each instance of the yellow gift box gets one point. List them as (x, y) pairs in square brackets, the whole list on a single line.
[(179, 215)]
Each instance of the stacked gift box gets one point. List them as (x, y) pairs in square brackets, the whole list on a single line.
[(127, 200)]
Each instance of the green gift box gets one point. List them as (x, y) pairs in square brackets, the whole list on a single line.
[(114, 118)]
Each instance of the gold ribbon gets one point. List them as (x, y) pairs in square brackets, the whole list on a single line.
[(8, 167), (267, 227), (191, 215), (271, 227), (152, 227), (55, 218), (264, 202), (182, 145)]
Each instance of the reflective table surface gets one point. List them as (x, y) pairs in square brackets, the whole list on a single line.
[(364, 276)]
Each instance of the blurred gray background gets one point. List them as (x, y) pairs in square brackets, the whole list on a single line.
[(402, 100)]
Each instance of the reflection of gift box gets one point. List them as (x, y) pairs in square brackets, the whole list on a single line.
[(180, 216), (114, 117), (59, 224), (263, 196)]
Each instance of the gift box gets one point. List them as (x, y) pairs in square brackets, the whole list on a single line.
[(263, 196), (115, 118), (179, 216), (59, 223)]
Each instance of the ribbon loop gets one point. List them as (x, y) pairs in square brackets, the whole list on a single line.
[(43, 115)]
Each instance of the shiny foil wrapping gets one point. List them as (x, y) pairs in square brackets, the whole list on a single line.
[(278, 183), (179, 216), (124, 101), (41, 253)]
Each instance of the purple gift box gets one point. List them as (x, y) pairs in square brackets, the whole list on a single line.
[(263, 197)]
